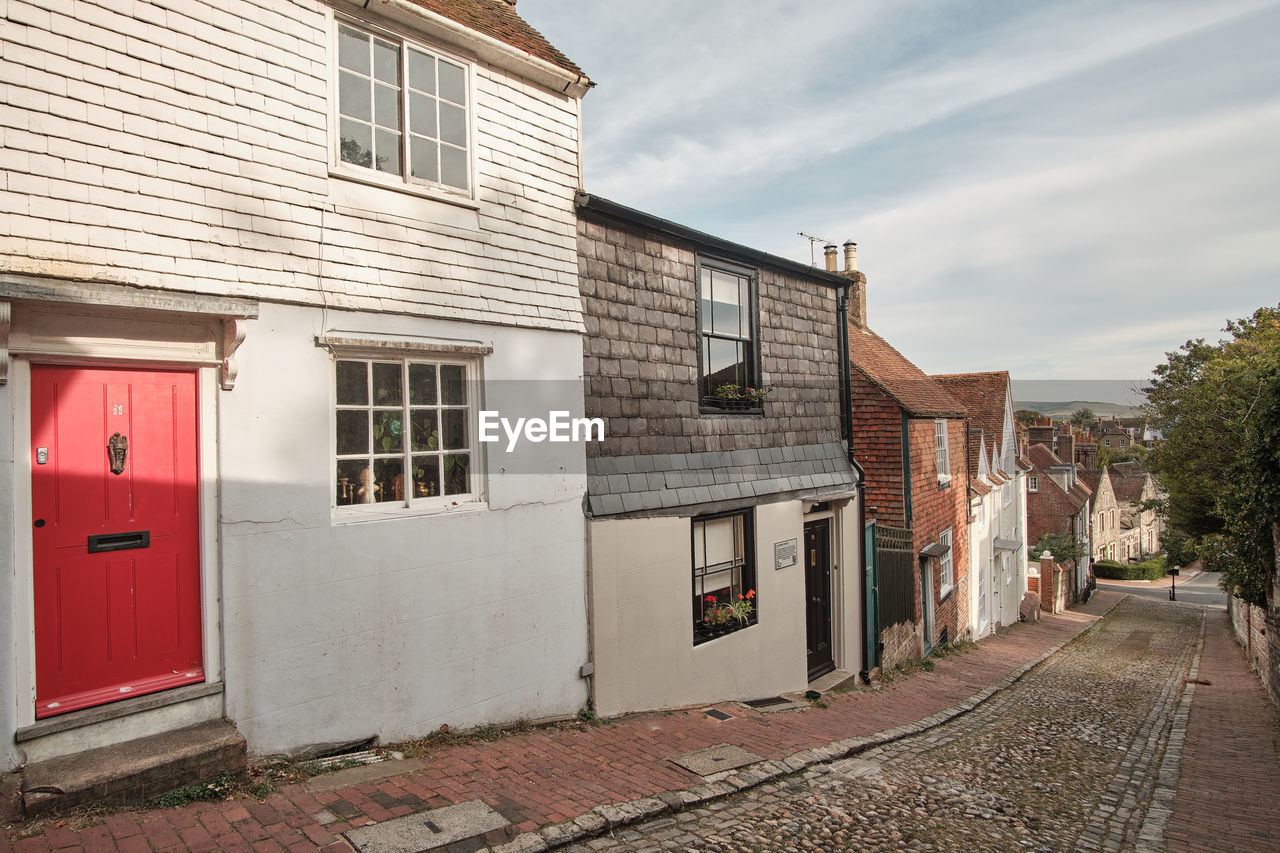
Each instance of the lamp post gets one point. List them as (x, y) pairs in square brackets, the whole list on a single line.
[(1173, 586)]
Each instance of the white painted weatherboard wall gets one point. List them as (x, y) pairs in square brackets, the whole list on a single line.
[(338, 629), (188, 148)]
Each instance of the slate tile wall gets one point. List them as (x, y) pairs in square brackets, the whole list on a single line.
[(640, 358)]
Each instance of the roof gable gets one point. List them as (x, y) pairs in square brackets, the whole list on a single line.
[(499, 19), (984, 396)]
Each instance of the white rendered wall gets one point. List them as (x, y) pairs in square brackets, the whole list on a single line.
[(642, 622), (9, 642), (980, 564), (188, 148), (337, 629)]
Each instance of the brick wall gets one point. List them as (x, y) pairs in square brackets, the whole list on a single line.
[(1252, 633), (640, 355), (188, 148), (937, 506), (877, 444), (1055, 585)]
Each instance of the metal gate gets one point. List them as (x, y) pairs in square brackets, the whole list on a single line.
[(895, 563)]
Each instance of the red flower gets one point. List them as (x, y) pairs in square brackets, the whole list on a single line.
[(751, 593), (710, 599)]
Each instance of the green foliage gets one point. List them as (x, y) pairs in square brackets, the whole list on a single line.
[(1217, 406), (1148, 570), (1112, 455), (1064, 547), (218, 788), (1027, 416), (1083, 416)]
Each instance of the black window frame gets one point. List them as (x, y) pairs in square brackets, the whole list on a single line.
[(748, 569), (707, 403)]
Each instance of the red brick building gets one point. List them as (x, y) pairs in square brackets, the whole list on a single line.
[(910, 436), (1058, 502)]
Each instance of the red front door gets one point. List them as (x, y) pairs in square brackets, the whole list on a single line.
[(114, 488)]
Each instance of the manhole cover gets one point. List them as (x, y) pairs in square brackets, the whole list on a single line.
[(427, 830), (716, 759)]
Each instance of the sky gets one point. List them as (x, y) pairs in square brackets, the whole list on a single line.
[(1064, 190)]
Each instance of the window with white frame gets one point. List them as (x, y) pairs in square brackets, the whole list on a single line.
[(403, 432), (1007, 494), (728, 347), (941, 458), (724, 575), (402, 110), (1033, 483), (944, 562)]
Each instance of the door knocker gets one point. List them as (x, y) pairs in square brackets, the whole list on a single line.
[(117, 450)]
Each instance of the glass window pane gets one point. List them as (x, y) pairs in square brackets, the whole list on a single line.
[(352, 473), (720, 540), (356, 145), (353, 96), (453, 83), (353, 383), (386, 384), (453, 124), (386, 106), (353, 50), (426, 476), (426, 430), (353, 431), (422, 384), (387, 151), (453, 385), (388, 432), (725, 363), (388, 480), (422, 114), (704, 295), (423, 158), (386, 62), (453, 167), (457, 471), (422, 71), (744, 312), (725, 308), (454, 431)]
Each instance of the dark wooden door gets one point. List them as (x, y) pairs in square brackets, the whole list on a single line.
[(817, 589), (116, 534)]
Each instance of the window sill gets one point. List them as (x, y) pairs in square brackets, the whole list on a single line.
[(714, 406), (942, 594), (343, 515), (703, 634), (404, 187)]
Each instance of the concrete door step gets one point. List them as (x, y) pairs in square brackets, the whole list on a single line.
[(135, 771)]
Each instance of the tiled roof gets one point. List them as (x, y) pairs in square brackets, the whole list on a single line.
[(499, 19), (1043, 457), (982, 394), (979, 487), (908, 385), (1128, 480), (692, 483)]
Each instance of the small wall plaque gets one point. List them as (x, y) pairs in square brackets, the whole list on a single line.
[(785, 553)]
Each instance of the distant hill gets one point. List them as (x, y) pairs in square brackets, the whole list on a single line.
[(1062, 411)]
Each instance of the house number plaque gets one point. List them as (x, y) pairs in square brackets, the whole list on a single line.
[(785, 553)]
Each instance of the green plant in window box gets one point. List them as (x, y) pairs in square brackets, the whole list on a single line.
[(740, 396), (743, 607)]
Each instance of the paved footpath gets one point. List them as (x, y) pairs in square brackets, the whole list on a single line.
[(1228, 793), (540, 779)]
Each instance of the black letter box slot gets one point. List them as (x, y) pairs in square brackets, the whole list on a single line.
[(119, 541)]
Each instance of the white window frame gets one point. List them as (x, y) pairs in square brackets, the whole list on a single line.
[(1033, 483), (403, 182), (941, 450), (409, 505), (946, 567)]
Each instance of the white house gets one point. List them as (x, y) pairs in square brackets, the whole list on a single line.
[(261, 267), (997, 499)]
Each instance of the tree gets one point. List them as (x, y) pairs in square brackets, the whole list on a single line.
[(1217, 406), (1027, 416), (1112, 455), (1083, 416)]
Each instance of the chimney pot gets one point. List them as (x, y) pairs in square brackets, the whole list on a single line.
[(850, 256), (829, 253)]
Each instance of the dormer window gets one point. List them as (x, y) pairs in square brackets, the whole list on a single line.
[(401, 111)]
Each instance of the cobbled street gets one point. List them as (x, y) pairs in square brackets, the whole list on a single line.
[(1066, 759)]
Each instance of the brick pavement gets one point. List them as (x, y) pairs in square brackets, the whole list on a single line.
[(551, 775), (1228, 794)]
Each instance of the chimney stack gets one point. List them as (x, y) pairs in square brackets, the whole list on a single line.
[(850, 256), (858, 288), (829, 253)]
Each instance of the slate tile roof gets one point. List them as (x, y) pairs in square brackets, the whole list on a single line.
[(983, 396), (692, 483), (886, 368), (499, 19)]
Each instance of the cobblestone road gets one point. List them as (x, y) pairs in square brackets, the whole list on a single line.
[(1067, 759)]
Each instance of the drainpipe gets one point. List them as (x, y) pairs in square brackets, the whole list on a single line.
[(846, 430)]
